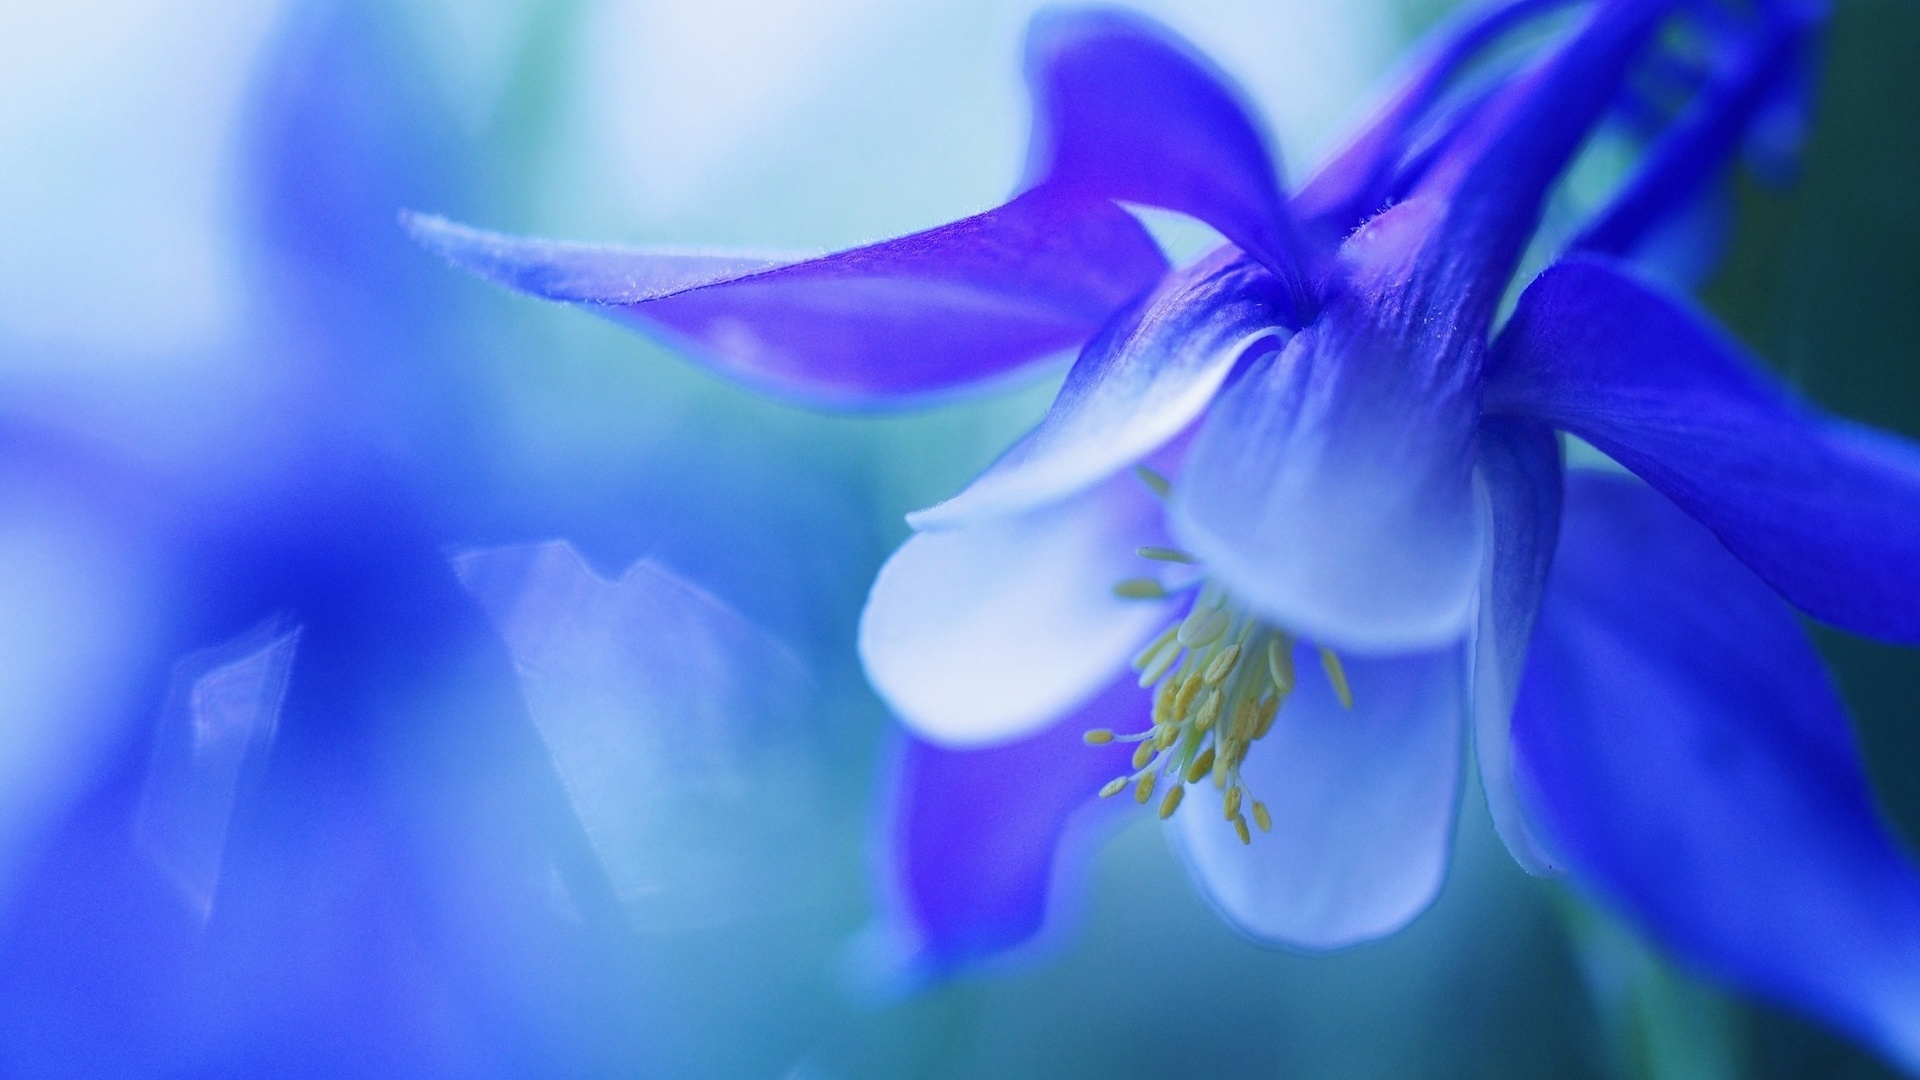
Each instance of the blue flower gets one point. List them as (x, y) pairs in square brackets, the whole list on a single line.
[(376, 783), (1310, 487)]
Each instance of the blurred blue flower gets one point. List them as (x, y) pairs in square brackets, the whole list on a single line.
[(384, 792), (1366, 478)]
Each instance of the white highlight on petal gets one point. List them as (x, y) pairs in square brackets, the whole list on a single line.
[(219, 719), (675, 725)]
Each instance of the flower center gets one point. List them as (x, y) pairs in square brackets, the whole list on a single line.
[(1219, 677)]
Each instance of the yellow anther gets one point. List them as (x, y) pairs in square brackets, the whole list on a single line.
[(1220, 766), (1240, 826), (1114, 787), (1201, 627), (1200, 766), (1143, 790), (1280, 665), (1163, 554), (1158, 665), (1244, 719), (1156, 483), (1172, 802), (1163, 703), (1337, 675), (1097, 737), (1233, 804), (1140, 588), (1143, 754), (1166, 737), (1209, 711), (1222, 665), (1261, 817), (1190, 688), (1151, 649), (1264, 723)]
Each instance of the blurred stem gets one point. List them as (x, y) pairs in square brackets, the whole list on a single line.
[(1658, 1023)]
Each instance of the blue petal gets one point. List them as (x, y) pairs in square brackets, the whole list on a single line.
[(901, 319), (982, 843), (1497, 175), (1137, 385), (1128, 111), (990, 630), (1519, 472), (1698, 147), (1330, 487), (1681, 747), (1357, 181), (1827, 513), (1363, 804)]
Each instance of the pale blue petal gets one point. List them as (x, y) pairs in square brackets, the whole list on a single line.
[(1330, 487), (1136, 386), (990, 630), (1520, 476), (1363, 803)]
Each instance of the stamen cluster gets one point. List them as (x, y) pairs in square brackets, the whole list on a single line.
[(1220, 676)]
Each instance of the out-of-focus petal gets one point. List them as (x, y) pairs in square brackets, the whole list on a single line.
[(1495, 177), (1362, 800), (219, 718), (1126, 110), (1330, 486), (1137, 385), (901, 319), (670, 719), (1683, 751), (1698, 148), (983, 842), (990, 630), (1520, 475), (1355, 182), (1826, 512)]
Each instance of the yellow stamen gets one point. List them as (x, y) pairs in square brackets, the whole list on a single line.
[(1209, 711), (1158, 666), (1144, 790), (1280, 664), (1222, 665), (1156, 483), (1337, 675), (1202, 627), (1140, 588), (1200, 766), (1268, 710), (1243, 722), (1097, 737), (1240, 826), (1189, 689), (1114, 787), (1143, 754), (1152, 648), (1163, 554), (1172, 802), (1261, 817), (1233, 804)]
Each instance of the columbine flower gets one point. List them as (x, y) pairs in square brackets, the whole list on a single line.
[(355, 806), (1285, 531)]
